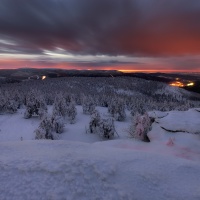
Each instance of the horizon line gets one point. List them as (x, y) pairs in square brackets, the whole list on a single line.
[(118, 70)]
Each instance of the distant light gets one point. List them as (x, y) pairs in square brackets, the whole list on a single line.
[(43, 77), (190, 84), (177, 84), (180, 84)]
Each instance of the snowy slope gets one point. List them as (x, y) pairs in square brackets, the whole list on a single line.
[(14, 126), (82, 166), (72, 170)]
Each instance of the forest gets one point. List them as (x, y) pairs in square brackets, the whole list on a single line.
[(118, 95)]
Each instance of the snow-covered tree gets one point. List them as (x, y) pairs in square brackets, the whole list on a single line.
[(140, 126), (117, 109), (65, 107), (49, 127), (95, 121), (40, 134), (35, 105), (7, 103), (88, 105), (45, 129), (59, 106), (71, 112), (57, 124), (11, 106), (107, 128), (135, 121)]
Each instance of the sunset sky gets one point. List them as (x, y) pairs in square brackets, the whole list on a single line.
[(144, 35)]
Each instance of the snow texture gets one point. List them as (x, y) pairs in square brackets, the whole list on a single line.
[(72, 170), (80, 166), (182, 121)]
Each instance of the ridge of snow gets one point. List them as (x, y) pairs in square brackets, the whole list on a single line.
[(181, 121), (75, 170)]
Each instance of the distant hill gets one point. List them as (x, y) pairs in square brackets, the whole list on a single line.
[(16, 75)]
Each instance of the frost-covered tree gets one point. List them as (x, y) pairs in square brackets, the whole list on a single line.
[(59, 106), (135, 120), (65, 107), (7, 104), (140, 126), (2, 102), (11, 106), (40, 134), (88, 105), (35, 105), (57, 124), (107, 128), (117, 109), (49, 127), (95, 122), (71, 112), (45, 129), (146, 121)]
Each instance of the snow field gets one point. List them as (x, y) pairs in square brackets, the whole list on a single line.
[(81, 166), (75, 170)]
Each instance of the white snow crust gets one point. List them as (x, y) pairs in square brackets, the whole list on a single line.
[(82, 166)]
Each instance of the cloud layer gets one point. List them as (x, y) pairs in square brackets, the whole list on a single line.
[(148, 28)]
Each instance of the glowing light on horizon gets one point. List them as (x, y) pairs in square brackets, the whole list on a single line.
[(44, 77), (147, 70), (190, 84), (135, 70), (177, 84), (180, 84)]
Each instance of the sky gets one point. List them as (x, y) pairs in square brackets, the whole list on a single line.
[(138, 35)]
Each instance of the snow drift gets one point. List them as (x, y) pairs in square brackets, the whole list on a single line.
[(71, 170)]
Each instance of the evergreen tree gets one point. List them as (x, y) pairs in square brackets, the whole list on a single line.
[(57, 124), (44, 131), (88, 105), (95, 121), (35, 105), (59, 106), (117, 109), (11, 106), (49, 128), (140, 127), (71, 112), (107, 128)]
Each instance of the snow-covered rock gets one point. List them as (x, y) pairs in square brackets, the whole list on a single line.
[(181, 121), (157, 114)]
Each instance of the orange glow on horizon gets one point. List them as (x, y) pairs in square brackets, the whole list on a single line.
[(177, 84), (156, 70), (148, 68), (181, 84)]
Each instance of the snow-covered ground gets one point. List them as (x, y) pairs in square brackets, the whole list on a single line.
[(82, 166), (13, 127)]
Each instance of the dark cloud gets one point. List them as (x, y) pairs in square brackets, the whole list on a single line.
[(111, 27)]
